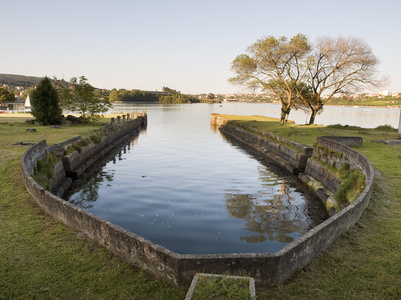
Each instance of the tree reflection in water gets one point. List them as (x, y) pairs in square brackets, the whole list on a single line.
[(271, 214), (280, 212), (88, 194)]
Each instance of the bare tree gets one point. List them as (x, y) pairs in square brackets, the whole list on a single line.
[(273, 64), (338, 65)]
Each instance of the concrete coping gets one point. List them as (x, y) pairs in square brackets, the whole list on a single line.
[(346, 140)]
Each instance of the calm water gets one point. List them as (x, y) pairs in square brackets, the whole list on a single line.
[(182, 185), (367, 117)]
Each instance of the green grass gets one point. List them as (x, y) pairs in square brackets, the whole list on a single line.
[(42, 259), (221, 288)]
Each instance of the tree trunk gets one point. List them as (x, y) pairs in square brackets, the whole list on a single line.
[(312, 117), (285, 112), (282, 119)]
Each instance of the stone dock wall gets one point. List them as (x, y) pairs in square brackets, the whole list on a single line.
[(268, 269), (289, 155)]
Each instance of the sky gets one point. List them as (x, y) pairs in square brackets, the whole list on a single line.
[(182, 44)]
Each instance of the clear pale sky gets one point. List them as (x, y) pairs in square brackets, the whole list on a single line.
[(183, 44)]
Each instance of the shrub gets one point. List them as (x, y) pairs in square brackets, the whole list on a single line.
[(95, 138), (385, 128), (44, 170), (352, 183), (72, 148), (339, 126), (84, 142), (345, 168)]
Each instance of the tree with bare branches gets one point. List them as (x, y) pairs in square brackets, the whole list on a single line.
[(273, 64), (337, 65), (294, 70)]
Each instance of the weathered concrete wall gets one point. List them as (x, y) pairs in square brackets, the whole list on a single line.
[(268, 269), (73, 165), (333, 152), (76, 163), (289, 155)]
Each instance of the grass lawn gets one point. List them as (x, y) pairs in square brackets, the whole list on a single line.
[(42, 259)]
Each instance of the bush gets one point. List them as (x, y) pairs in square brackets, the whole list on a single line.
[(385, 128), (339, 126), (352, 183), (44, 170), (84, 142), (95, 138)]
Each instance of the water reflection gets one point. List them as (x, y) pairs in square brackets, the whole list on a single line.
[(193, 190), (273, 216), (88, 189), (85, 190), (278, 210)]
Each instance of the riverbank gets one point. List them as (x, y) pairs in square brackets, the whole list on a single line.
[(40, 258)]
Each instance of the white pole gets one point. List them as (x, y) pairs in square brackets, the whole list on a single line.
[(399, 126)]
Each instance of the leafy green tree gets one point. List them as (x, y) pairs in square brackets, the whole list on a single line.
[(6, 95), (81, 97), (114, 96), (45, 105), (174, 96), (275, 65), (171, 91)]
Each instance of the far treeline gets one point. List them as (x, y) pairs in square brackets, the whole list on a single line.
[(166, 96), (19, 84)]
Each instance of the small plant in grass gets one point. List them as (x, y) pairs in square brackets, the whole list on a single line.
[(221, 287), (345, 169), (72, 148), (77, 147), (96, 138), (339, 126), (44, 170), (386, 128), (84, 142), (352, 184)]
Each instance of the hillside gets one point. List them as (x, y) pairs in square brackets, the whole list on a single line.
[(18, 80)]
